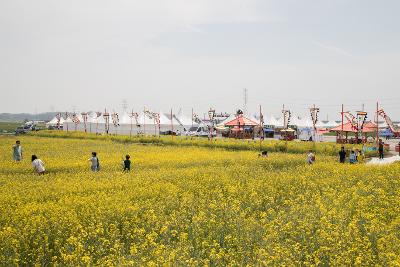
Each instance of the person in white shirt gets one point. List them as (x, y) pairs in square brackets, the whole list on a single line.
[(38, 165), (95, 165), (310, 158)]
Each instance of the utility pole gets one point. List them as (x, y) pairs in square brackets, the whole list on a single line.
[(124, 105), (377, 124), (245, 100)]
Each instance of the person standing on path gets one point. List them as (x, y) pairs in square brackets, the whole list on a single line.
[(17, 151), (38, 165), (380, 149), (342, 155), (95, 164)]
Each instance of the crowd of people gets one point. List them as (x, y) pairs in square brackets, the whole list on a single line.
[(39, 166), (355, 156)]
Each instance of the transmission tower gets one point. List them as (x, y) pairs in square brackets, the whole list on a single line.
[(245, 100), (124, 105)]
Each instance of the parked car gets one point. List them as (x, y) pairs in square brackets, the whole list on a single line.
[(200, 131), (168, 132), (23, 129), (30, 126)]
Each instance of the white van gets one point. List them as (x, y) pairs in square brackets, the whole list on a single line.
[(307, 134)]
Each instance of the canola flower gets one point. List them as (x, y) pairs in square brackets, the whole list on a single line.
[(186, 205)]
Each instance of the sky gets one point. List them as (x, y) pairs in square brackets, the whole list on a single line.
[(182, 54)]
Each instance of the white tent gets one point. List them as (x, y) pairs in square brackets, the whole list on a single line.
[(271, 121), (295, 121), (53, 122), (185, 122), (320, 124), (124, 119), (228, 119), (305, 123), (279, 122), (331, 124)]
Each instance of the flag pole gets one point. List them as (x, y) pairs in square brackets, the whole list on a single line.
[(155, 125), (130, 132), (144, 121), (342, 123), (262, 129), (172, 126), (377, 122)]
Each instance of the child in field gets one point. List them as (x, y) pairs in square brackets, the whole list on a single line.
[(38, 165), (17, 151), (264, 154), (310, 158), (95, 164), (127, 163)]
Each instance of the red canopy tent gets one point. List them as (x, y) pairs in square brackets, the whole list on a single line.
[(368, 127), (238, 126), (241, 121)]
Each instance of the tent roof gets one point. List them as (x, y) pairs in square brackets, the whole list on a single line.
[(125, 119), (54, 121), (305, 122), (164, 119), (332, 123), (320, 124), (271, 121), (369, 127), (184, 120), (231, 117), (241, 121), (279, 122)]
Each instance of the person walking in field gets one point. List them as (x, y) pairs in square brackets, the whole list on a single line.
[(17, 151), (94, 161), (310, 158), (342, 155), (380, 149), (127, 164), (38, 165)]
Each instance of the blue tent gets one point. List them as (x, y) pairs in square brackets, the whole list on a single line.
[(268, 130), (386, 133)]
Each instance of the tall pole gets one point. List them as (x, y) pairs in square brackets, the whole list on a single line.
[(377, 126), (130, 132), (155, 125), (144, 121), (341, 134), (172, 125), (262, 129), (66, 118), (315, 128)]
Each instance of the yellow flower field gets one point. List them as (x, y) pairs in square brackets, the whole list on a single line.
[(183, 205)]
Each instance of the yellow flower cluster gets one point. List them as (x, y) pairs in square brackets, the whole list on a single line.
[(190, 206)]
